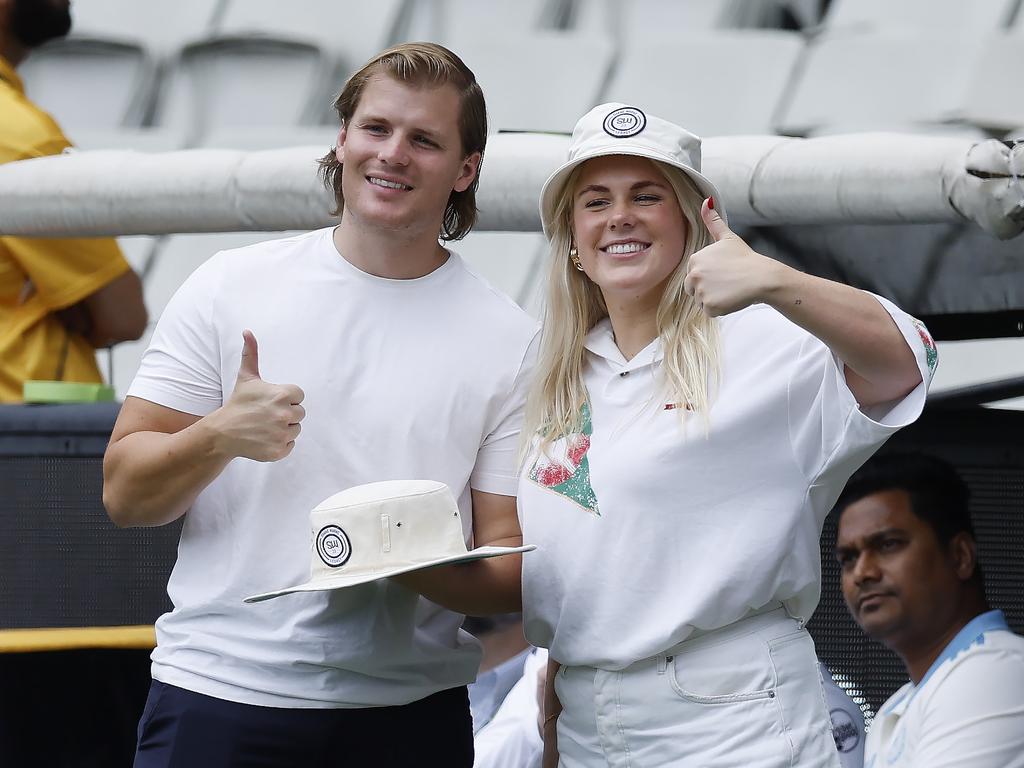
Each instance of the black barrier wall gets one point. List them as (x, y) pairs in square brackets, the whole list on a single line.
[(63, 564)]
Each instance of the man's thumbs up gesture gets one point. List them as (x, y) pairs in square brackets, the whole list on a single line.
[(260, 420), (728, 275)]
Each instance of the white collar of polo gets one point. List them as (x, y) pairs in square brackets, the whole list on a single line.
[(601, 342)]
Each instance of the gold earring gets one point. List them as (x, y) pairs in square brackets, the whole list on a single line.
[(574, 255)]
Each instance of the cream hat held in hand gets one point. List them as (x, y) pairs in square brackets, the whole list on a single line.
[(373, 531), (618, 129)]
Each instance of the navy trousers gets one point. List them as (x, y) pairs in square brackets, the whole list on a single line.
[(182, 729)]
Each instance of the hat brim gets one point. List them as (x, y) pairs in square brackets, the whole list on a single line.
[(552, 187), (355, 579)]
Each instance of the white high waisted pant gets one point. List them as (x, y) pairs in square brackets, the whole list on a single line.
[(748, 695)]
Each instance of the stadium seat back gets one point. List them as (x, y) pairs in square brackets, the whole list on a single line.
[(879, 81), (639, 21), (556, 79), (993, 97), (91, 84), (512, 262), (954, 16), (706, 82)]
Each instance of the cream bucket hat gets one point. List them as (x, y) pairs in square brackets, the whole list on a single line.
[(373, 531), (618, 129)]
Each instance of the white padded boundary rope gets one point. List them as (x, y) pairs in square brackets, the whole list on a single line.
[(859, 178)]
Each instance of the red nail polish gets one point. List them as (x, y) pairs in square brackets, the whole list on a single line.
[(711, 203)]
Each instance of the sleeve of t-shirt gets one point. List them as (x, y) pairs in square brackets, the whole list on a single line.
[(496, 465), (829, 432), (976, 717), (65, 271), (181, 367)]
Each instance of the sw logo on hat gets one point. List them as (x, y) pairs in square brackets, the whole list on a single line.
[(625, 122), (333, 546)]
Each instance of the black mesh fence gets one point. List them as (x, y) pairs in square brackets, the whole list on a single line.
[(62, 562)]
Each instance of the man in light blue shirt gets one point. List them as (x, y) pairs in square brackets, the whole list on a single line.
[(911, 580)]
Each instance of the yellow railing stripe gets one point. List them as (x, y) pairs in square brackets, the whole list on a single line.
[(70, 638)]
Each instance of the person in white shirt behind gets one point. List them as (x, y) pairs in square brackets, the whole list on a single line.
[(911, 580)]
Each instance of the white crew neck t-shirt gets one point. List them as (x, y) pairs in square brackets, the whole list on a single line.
[(968, 710), (647, 530), (404, 379)]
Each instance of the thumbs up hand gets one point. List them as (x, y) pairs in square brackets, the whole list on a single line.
[(728, 275), (260, 420)]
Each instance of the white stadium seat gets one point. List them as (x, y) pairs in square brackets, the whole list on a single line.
[(880, 81), (116, 54), (455, 23), (270, 64), (973, 17), (161, 28), (556, 78), (513, 262), (229, 82), (721, 92), (118, 77), (642, 20), (347, 30), (994, 94)]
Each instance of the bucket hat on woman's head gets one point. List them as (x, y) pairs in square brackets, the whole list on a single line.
[(618, 129), (373, 531)]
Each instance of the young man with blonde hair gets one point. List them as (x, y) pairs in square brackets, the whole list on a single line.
[(396, 362)]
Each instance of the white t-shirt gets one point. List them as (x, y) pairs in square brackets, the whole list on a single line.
[(646, 529), (968, 710), (404, 379)]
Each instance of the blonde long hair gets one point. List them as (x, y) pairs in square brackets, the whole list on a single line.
[(575, 305)]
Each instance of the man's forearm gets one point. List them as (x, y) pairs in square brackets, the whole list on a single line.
[(476, 589), (152, 478)]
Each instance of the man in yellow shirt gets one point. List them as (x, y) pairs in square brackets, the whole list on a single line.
[(59, 299)]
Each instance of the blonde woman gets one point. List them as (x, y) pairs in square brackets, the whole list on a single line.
[(697, 410)]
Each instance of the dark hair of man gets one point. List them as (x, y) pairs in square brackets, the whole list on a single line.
[(34, 22), (938, 495), (422, 65)]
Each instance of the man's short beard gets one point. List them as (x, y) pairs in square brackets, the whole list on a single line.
[(33, 22)]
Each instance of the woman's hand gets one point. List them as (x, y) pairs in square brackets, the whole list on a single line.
[(729, 275)]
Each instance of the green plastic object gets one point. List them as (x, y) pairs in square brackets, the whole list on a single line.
[(66, 392)]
